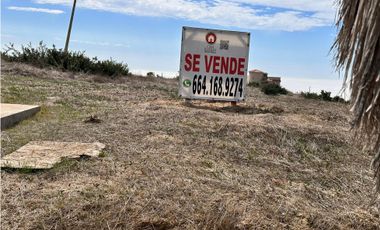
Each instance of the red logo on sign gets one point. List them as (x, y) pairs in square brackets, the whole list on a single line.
[(211, 38)]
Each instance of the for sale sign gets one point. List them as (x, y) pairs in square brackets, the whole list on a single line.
[(213, 64)]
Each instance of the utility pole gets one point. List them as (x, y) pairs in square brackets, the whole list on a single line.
[(70, 25)]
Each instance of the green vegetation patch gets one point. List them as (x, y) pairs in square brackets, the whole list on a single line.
[(273, 89), (269, 88), (74, 61), (324, 96)]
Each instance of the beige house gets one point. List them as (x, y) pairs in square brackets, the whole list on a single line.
[(274, 80), (257, 76), (261, 77)]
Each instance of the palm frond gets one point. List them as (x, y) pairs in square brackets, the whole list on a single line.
[(357, 49)]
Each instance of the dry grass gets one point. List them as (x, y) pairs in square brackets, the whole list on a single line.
[(273, 163)]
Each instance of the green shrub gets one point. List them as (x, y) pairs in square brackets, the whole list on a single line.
[(42, 56), (324, 95), (273, 89), (150, 74), (338, 99), (254, 84), (309, 95)]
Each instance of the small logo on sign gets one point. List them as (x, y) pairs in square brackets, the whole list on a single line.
[(187, 83), (210, 38)]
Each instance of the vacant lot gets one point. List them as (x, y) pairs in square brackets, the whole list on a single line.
[(275, 162)]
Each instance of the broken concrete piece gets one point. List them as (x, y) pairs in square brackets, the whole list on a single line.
[(44, 154), (14, 113)]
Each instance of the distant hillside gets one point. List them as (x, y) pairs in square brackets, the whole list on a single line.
[(272, 162)]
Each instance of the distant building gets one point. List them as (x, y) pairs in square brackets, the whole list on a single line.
[(261, 77), (274, 80), (257, 76)]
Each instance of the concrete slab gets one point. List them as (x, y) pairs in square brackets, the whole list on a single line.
[(45, 154), (11, 114)]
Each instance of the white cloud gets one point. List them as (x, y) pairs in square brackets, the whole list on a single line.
[(33, 9), (288, 15)]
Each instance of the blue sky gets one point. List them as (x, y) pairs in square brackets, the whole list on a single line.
[(289, 38)]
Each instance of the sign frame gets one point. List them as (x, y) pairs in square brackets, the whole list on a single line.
[(182, 61)]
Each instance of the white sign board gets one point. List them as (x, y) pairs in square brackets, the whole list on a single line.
[(213, 64)]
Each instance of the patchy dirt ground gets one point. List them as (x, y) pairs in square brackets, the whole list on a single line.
[(275, 162)]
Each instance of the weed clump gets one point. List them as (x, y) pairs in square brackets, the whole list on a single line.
[(273, 89), (254, 84), (75, 61), (310, 95), (324, 96)]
